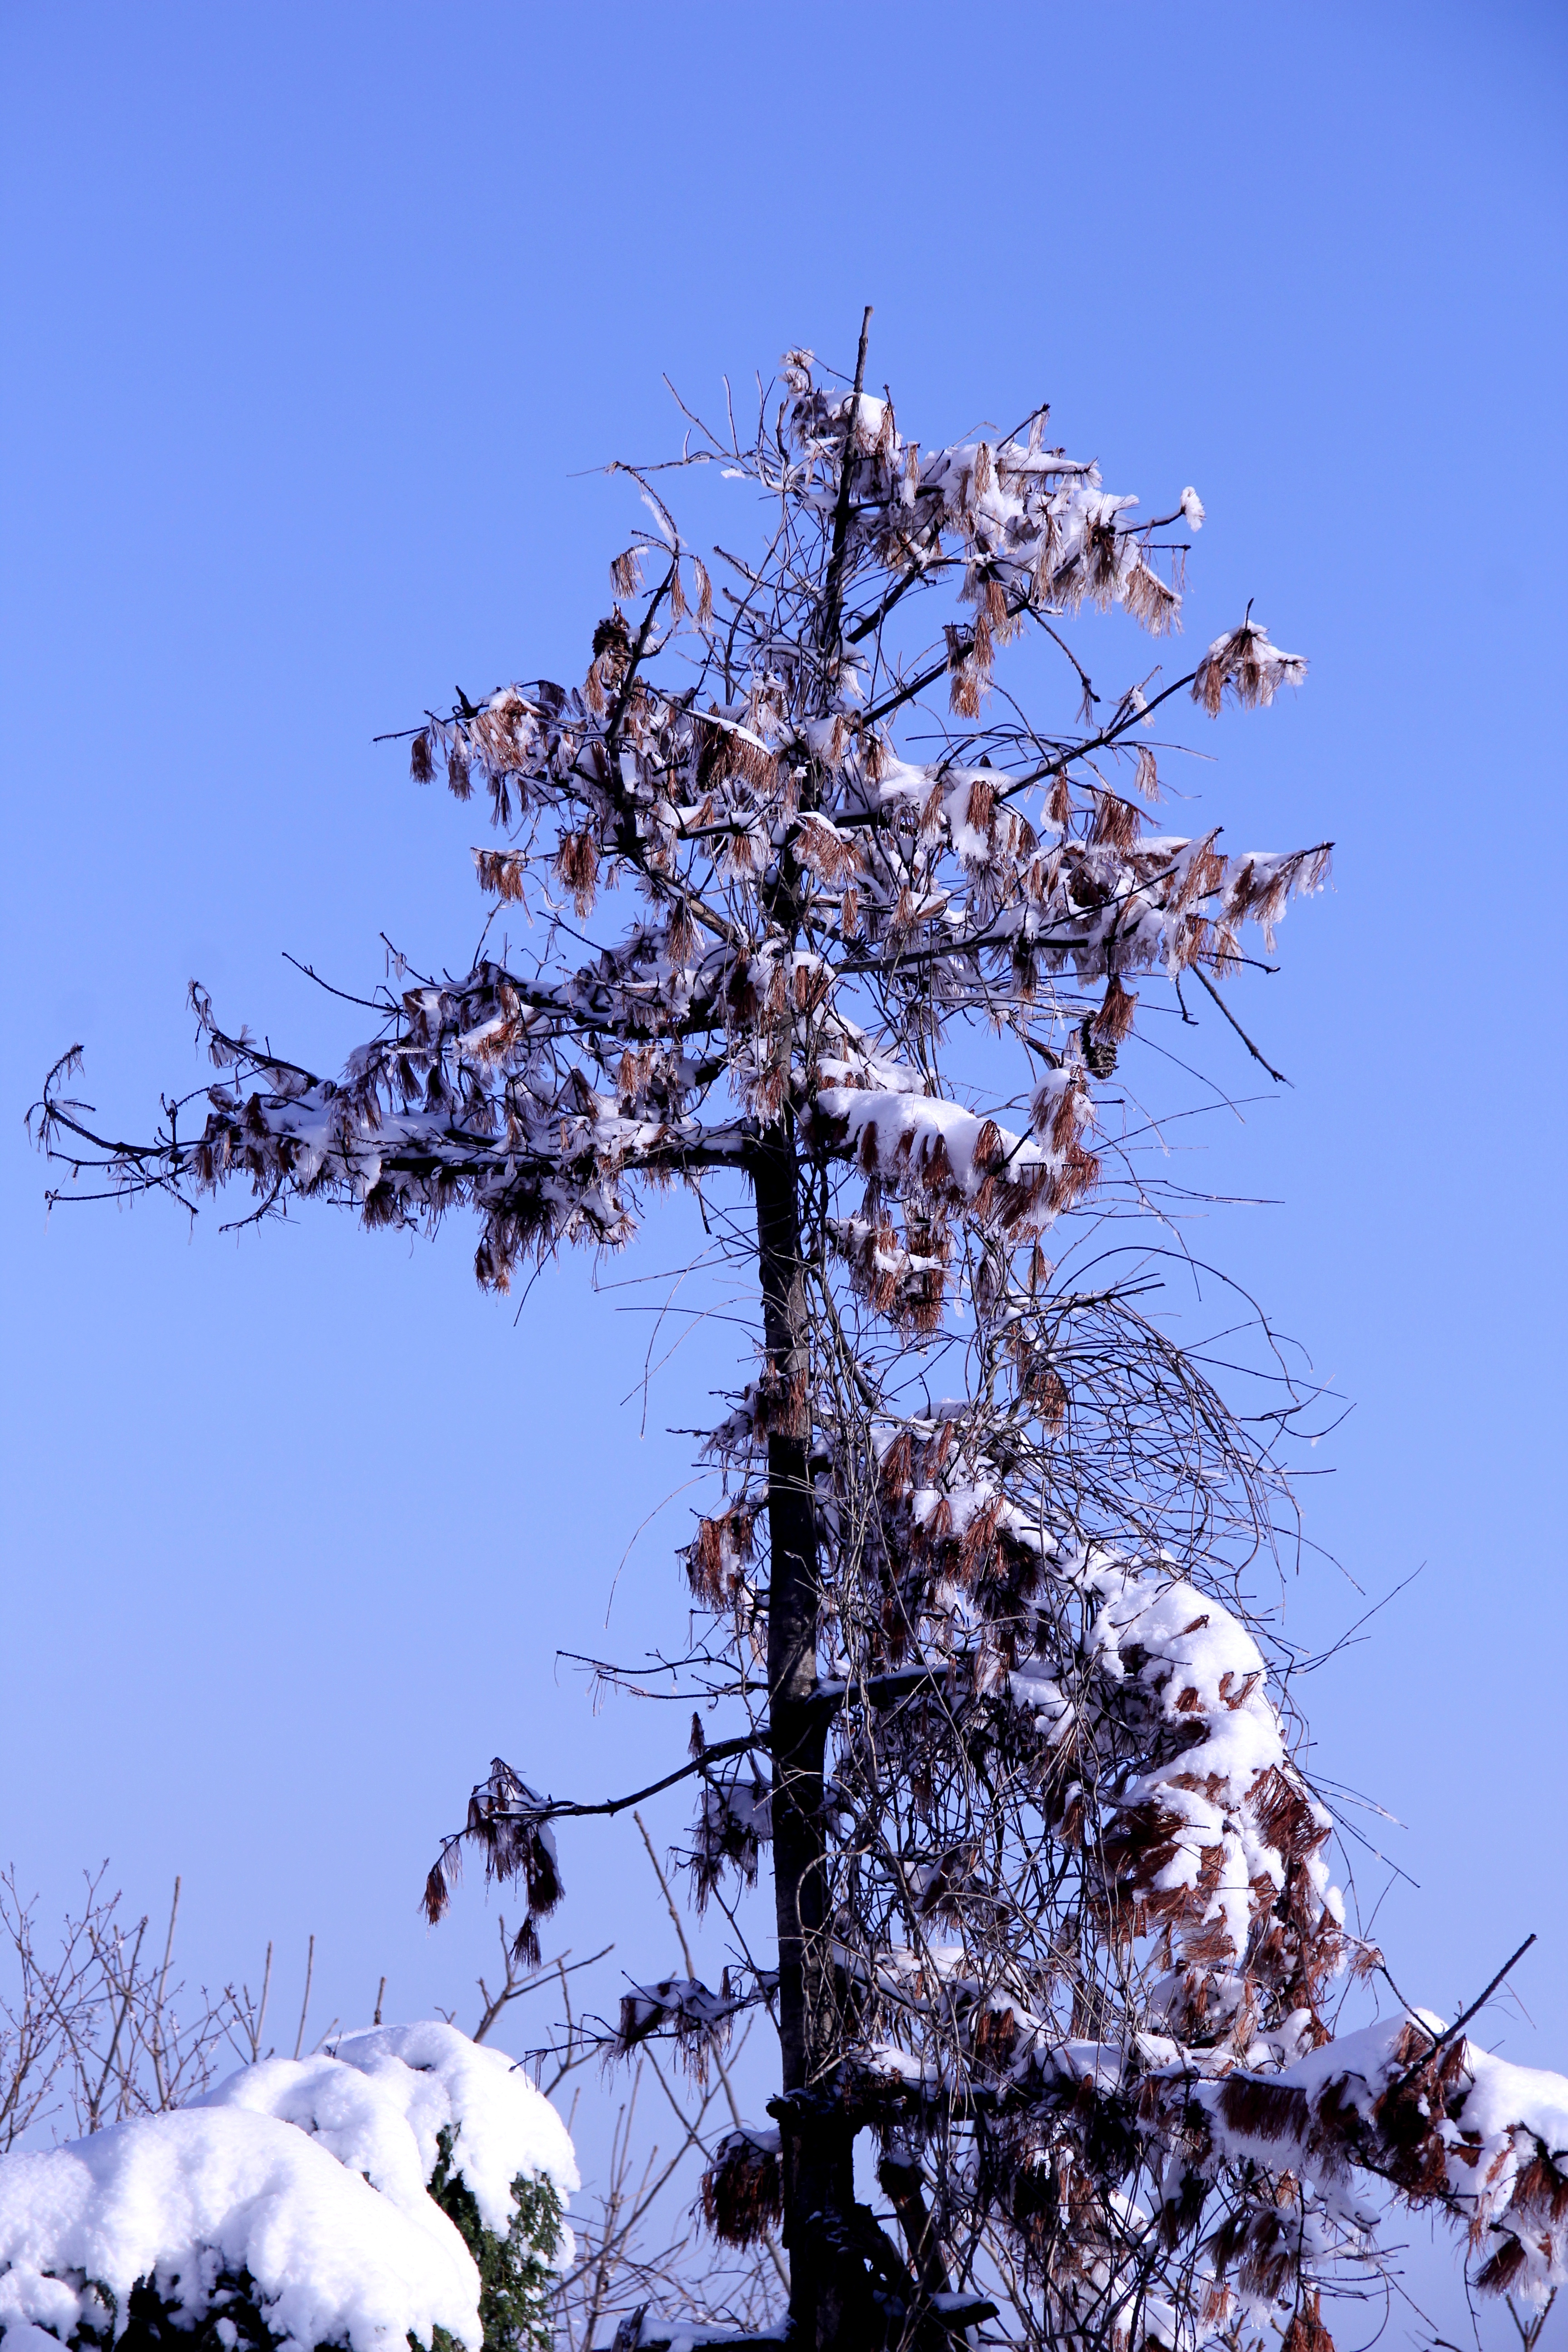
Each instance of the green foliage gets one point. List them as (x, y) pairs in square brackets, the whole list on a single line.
[(517, 2273), (232, 2322)]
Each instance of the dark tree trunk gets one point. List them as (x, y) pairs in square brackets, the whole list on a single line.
[(825, 2282)]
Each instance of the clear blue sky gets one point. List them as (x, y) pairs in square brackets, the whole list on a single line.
[(315, 316)]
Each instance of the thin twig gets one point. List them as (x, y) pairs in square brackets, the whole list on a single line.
[(305, 2004)]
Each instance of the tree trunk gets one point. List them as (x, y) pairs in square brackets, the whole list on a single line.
[(825, 2282)]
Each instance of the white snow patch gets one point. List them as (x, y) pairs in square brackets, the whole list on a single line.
[(504, 2126)]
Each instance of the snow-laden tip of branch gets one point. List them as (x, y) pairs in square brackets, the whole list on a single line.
[(1245, 666)]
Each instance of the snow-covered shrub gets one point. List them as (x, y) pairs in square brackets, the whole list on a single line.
[(404, 2186)]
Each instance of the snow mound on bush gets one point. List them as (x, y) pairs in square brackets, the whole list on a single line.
[(307, 2174), (178, 2198)]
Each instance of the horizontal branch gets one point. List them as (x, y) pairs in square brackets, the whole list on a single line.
[(887, 1689), (566, 1809), (953, 2312)]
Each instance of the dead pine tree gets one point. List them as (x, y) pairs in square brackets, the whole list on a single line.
[(1056, 1934)]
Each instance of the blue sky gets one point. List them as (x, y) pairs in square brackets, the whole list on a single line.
[(318, 320)]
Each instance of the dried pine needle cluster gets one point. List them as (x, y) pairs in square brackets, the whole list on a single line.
[(1054, 1911)]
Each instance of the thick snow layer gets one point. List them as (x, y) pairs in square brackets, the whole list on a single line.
[(1505, 2096), (504, 2127), (182, 2196), (354, 2119)]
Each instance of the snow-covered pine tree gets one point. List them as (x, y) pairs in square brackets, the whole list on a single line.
[(1055, 1921)]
